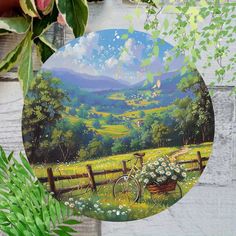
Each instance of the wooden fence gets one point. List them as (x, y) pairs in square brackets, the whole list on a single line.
[(93, 184)]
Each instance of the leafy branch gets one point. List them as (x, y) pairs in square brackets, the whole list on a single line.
[(26, 208), (35, 18), (197, 41)]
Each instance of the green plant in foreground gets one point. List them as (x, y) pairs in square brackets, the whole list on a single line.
[(26, 208), (204, 31), (32, 20)]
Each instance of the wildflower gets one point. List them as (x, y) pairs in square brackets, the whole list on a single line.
[(67, 203), (153, 175), (168, 173), (177, 170), (156, 162), (152, 167), (96, 205), (163, 164), (174, 177), (164, 178), (71, 199), (146, 181), (184, 174), (72, 205), (118, 213)]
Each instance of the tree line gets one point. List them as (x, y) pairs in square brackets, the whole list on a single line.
[(51, 137)]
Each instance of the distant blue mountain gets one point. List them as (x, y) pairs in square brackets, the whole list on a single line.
[(168, 88), (88, 82)]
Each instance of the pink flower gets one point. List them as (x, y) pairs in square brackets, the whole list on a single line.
[(60, 19), (43, 4)]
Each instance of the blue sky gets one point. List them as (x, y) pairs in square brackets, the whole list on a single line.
[(106, 53)]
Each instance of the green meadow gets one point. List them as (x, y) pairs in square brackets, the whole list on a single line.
[(102, 205)]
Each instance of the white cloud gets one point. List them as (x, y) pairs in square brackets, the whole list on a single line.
[(84, 47), (111, 62), (175, 63), (128, 55)]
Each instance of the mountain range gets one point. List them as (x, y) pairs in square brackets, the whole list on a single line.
[(88, 82)]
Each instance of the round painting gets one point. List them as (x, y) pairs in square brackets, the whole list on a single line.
[(118, 131)]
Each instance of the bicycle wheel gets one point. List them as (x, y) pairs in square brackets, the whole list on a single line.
[(168, 198), (127, 188)]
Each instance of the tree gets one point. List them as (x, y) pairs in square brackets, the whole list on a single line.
[(62, 138), (95, 148), (110, 119), (185, 123), (200, 108), (159, 134), (146, 139), (117, 147), (83, 112), (96, 124), (141, 114), (135, 144), (83, 154), (43, 108), (72, 111), (107, 144)]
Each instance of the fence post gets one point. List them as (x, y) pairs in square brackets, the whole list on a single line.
[(124, 167), (91, 178), (51, 181), (141, 160), (199, 158)]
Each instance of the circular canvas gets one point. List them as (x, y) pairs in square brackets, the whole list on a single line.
[(114, 128)]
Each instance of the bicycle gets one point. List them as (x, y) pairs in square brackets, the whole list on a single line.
[(128, 188)]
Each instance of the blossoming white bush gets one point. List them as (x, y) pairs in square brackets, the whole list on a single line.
[(160, 171)]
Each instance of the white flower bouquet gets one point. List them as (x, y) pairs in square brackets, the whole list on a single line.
[(159, 172)]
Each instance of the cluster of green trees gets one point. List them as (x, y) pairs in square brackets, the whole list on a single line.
[(51, 137)]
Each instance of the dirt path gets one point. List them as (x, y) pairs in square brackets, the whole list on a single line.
[(180, 152)]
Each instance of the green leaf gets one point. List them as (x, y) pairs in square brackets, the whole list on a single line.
[(9, 61), (29, 7), (17, 25), (4, 32), (61, 233), (137, 12), (166, 24), (124, 36), (150, 77), (131, 29), (45, 48), (156, 50), (41, 25), (66, 229), (75, 13), (25, 70), (146, 62), (72, 222), (26, 164)]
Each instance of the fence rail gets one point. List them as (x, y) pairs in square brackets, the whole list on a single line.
[(51, 179)]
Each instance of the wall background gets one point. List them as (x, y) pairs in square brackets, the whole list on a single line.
[(209, 208)]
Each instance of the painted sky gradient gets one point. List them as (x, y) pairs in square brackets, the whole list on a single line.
[(106, 53)]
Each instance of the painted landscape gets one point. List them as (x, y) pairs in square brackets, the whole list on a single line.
[(93, 111)]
